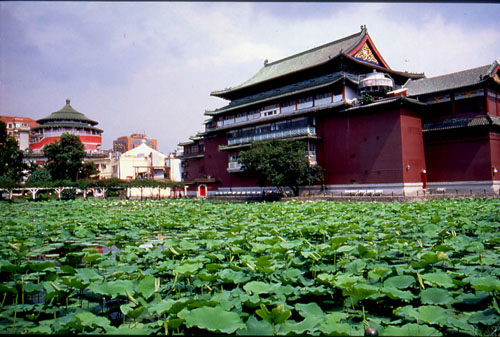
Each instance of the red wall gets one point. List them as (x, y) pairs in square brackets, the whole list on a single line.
[(216, 162), (458, 156), (495, 154), (493, 105), (361, 147), (94, 141), (194, 168), (413, 152)]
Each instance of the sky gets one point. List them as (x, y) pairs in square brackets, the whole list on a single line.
[(149, 67)]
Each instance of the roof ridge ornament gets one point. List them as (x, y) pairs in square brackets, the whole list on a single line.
[(67, 101)]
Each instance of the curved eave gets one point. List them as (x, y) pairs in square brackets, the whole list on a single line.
[(400, 99), (461, 123), (72, 125), (292, 93), (60, 117), (188, 157), (447, 90)]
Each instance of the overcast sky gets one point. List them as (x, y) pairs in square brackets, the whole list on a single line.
[(150, 67)]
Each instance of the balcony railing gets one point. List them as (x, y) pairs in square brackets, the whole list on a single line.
[(234, 166), (304, 131)]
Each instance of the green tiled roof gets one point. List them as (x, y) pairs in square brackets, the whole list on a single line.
[(67, 113), (457, 123), (459, 79), (303, 60)]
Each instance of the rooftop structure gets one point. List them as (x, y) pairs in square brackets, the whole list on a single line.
[(66, 120)]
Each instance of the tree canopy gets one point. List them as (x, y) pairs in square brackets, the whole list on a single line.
[(11, 158), (281, 163), (65, 157)]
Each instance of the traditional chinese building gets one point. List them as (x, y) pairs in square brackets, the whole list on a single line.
[(66, 120), (373, 129)]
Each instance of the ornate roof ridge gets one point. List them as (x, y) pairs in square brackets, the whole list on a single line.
[(361, 33)]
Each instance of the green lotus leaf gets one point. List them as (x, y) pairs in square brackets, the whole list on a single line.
[(461, 324), (435, 296), (174, 324), (129, 310), (333, 328), (91, 258), (39, 266), (309, 309), (236, 277), (306, 326), (86, 275), (179, 305), (399, 282), (256, 328), (213, 319), (346, 280), (487, 283), (361, 291), (355, 267), (88, 319), (74, 282), (187, 269), (472, 298), (335, 317), (258, 287), (397, 294), (161, 307), (131, 329), (438, 279), (112, 288), (432, 314), (487, 317), (411, 329), (146, 286)]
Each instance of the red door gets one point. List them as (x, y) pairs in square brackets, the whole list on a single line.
[(203, 190)]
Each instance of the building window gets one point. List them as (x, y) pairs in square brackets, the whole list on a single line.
[(324, 98), (305, 102)]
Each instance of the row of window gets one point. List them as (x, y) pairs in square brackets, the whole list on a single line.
[(278, 108), (194, 148), (71, 130), (288, 124)]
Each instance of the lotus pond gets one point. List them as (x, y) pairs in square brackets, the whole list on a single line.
[(190, 267)]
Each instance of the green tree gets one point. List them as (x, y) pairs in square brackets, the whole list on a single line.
[(11, 158), (88, 170), (281, 163), (40, 176), (65, 157)]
